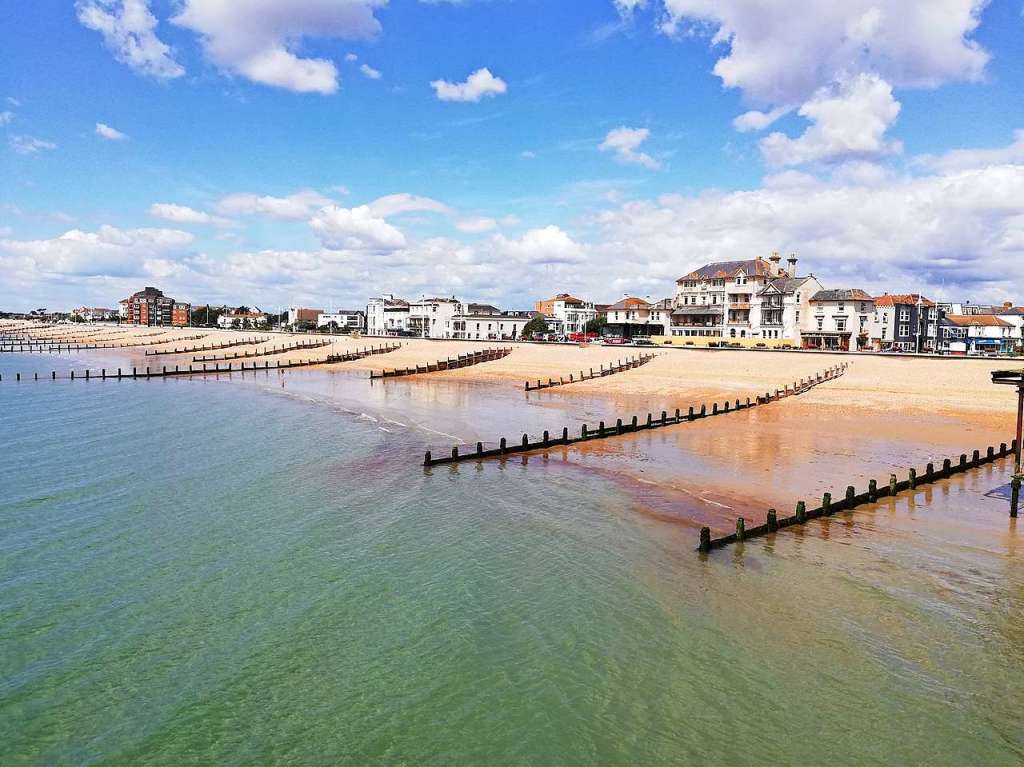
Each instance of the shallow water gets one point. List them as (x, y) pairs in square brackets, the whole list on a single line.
[(235, 571)]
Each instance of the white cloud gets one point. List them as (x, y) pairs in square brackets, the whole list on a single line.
[(355, 229), (780, 52), (351, 57), (847, 121), (12, 101), (964, 159), (755, 120), (549, 245), (258, 38), (108, 252), (369, 72), (110, 134), (295, 207), (527, 154), (478, 85), (476, 224), (181, 214), (403, 202), (6, 117), (30, 144), (128, 29), (625, 142)]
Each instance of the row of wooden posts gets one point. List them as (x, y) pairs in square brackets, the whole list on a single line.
[(181, 370), (853, 499), (59, 347), (284, 349), (210, 347), (603, 432), (452, 363), (628, 364)]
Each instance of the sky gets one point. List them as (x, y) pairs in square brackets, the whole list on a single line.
[(319, 152)]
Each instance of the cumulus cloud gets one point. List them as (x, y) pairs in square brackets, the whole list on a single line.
[(369, 72), (476, 224), (30, 144), (963, 159), (549, 245), (257, 39), (478, 85), (355, 229), (756, 121), (182, 214), (107, 252), (295, 207), (849, 120), (625, 142), (5, 118), (110, 134), (403, 202), (129, 31)]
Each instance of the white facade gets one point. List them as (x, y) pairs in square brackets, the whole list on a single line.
[(574, 316), (838, 319), (430, 317), (350, 320), (486, 327), (387, 315), (254, 320)]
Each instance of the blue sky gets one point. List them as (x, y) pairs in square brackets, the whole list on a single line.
[(271, 152)]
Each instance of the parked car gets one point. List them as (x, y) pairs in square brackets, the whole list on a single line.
[(642, 341), (613, 340)]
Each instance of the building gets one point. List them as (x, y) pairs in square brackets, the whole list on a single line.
[(431, 317), (488, 326), (1015, 316), (151, 307), (346, 320), (387, 316), (246, 320), (94, 314), (838, 320), (574, 313), (975, 334), (633, 317), (297, 314), (904, 323), (755, 298)]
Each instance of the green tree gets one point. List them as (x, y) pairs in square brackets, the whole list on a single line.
[(537, 325), (597, 324)]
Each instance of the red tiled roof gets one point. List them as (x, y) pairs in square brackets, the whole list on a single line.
[(629, 303), (977, 320), (902, 298)]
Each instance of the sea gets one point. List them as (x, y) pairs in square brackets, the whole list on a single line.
[(257, 569)]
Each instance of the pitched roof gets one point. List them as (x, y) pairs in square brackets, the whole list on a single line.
[(909, 299), (629, 303), (847, 294), (977, 320), (482, 309), (786, 284), (567, 298), (719, 270), (1014, 311)]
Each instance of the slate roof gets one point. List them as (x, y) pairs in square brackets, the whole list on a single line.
[(719, 270), (848, 294), (786, 284)]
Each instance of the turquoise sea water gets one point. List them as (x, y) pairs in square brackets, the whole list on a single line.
[(232, 572)]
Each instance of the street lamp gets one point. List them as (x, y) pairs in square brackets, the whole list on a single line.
[(1014, 378)]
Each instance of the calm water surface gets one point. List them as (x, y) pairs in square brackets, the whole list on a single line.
[(236, 572)]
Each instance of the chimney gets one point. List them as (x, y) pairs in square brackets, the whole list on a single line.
[(792, 264), (1007, 304), (775, 259)]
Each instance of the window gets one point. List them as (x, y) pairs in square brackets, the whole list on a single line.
[(841, 324), (821, 322), (904, 315), (904, 330)]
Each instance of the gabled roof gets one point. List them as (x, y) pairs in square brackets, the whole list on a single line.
[(977, 320), (724, 270), (482, 309), (567, 298), (847, 294), (629, 303), (909, 299), (784, 285), (1014, 311)]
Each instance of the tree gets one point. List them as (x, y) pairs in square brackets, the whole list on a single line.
[(537, 325), (597, 324), (242, 310)]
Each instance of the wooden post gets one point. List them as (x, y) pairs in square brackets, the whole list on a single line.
[(851, 496), (618, 426), (502, 445), (455, 452), (929, 472), (873, 490), (565, 434), (705, 540), (526, 441), (826, 504), (426, 458), (740, 528), (801, 512), (773, 520), (913, 478), (545, 438), (947, 467), (892, 485)]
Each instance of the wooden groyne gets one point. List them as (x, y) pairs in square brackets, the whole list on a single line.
[(694, 413), (852, 499), (61, 347), (622, 365), (210, 347), (166, 371), (261, 353), (452, 363)]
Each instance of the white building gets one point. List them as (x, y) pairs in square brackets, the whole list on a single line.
[(1014, 315), (975, 334), (497, 326), (430, 317), (242, 320), (839, 320), (347, 320), (573, 313), (387, 316)]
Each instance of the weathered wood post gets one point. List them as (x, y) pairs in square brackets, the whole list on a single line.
[(633, 424), (583, 431), (976, 458), (426, 458), (929, 472), (545, 440), (826, 504), (502, 445), (801, 512), (740, 528), (947, 467), (455, 452), (913, 478), (479, 448), (705, 540), (600, 429), (714, 409), (892, 485), (703, 410), (689, 414), (873, 490), (618, 426), (565, 434), (773, 520), (963, 461), (851, 496), (526, 441)]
